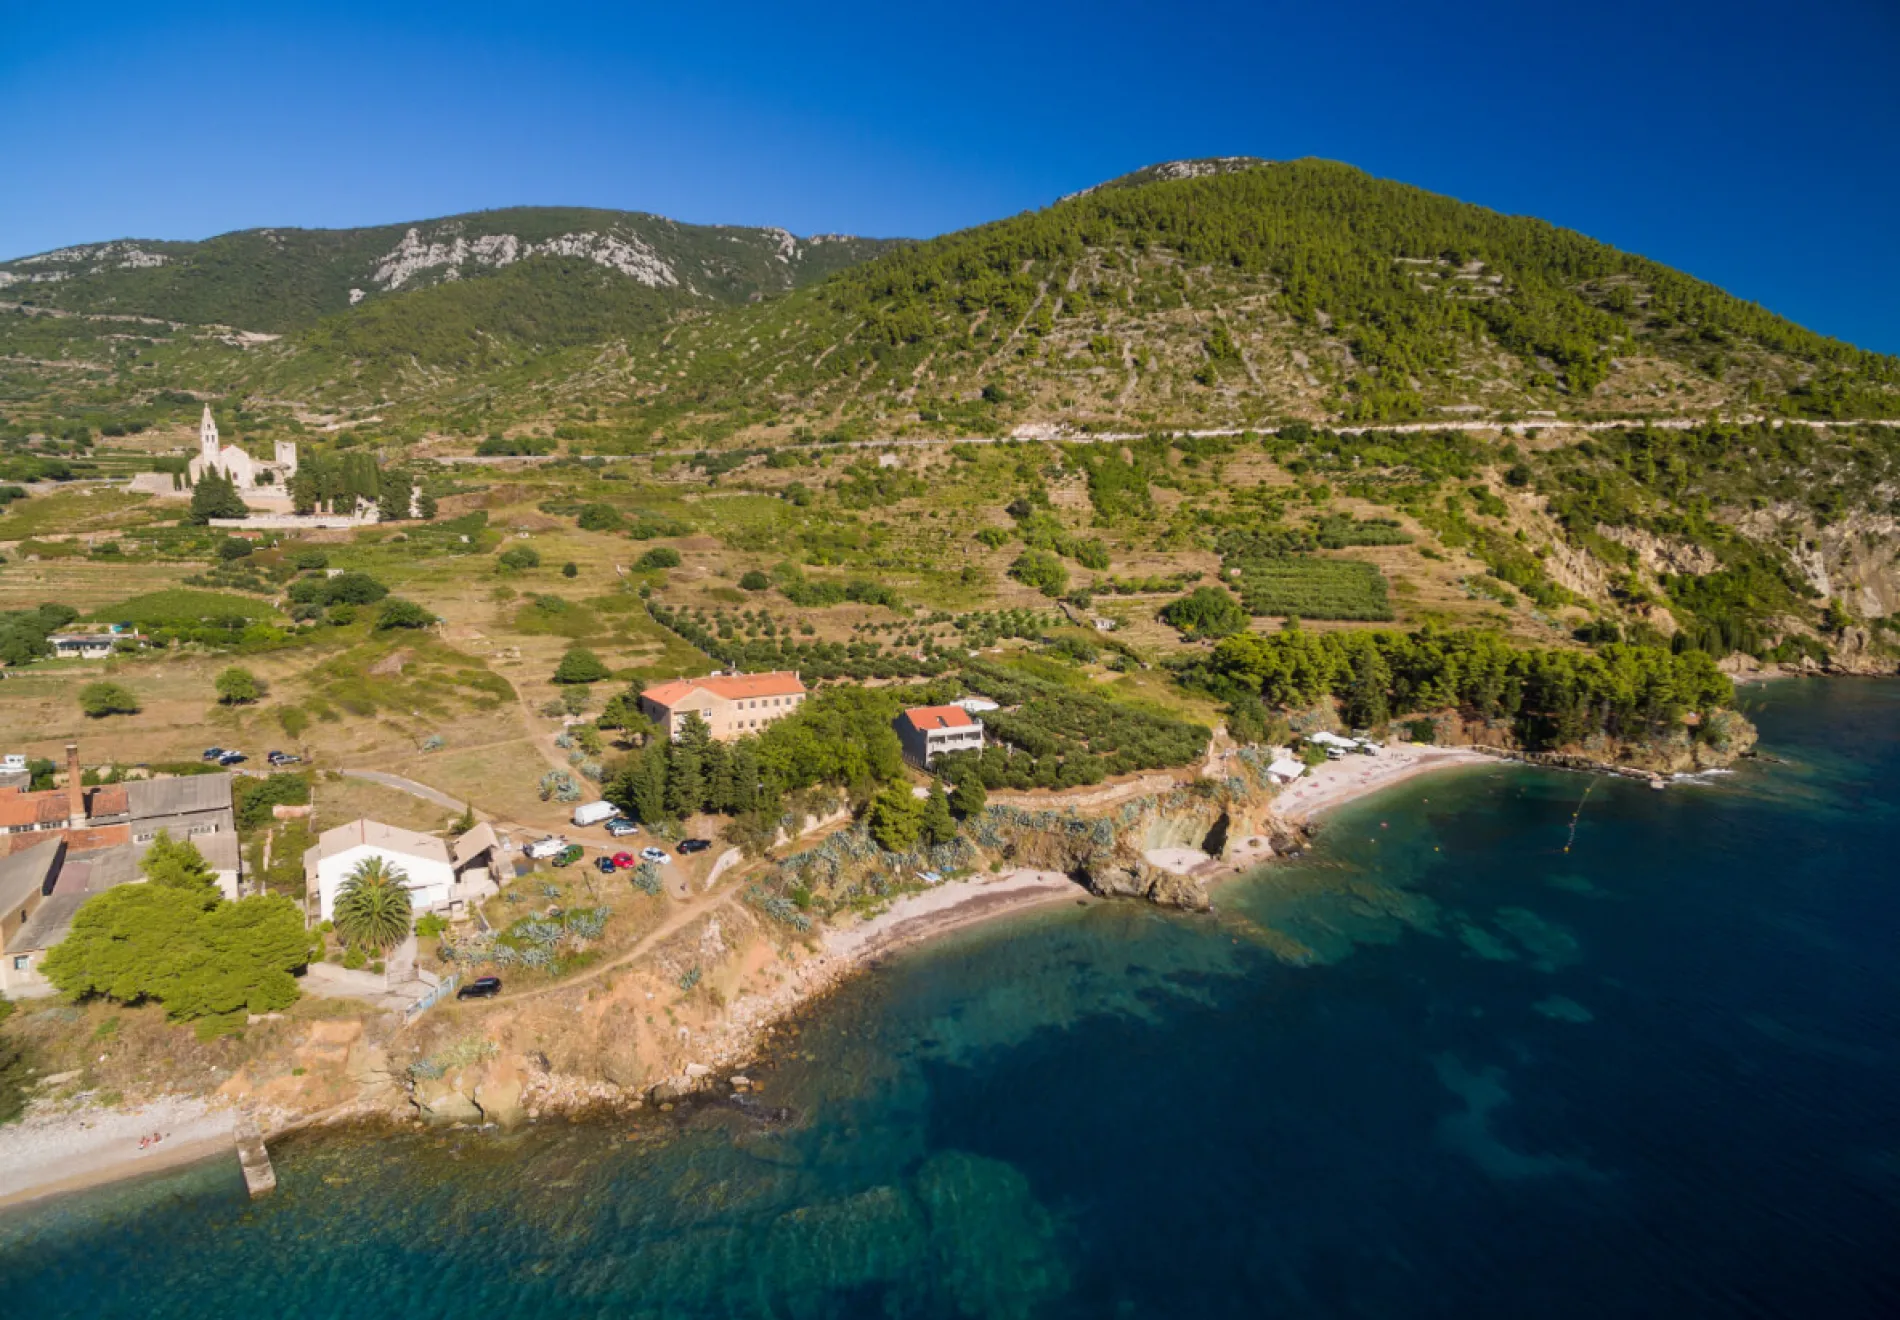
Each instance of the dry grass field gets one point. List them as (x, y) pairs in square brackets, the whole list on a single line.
[(461, 706)]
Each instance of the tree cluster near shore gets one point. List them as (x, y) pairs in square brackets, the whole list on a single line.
[(1551, 698), (175, 940)]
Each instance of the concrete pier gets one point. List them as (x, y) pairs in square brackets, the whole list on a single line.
[(259, 1176)]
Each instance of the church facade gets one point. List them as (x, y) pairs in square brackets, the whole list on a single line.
[(245, 472)]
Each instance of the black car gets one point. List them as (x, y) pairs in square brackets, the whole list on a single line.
[(482, 987), (213, 753), (605, 865), (694, 845)]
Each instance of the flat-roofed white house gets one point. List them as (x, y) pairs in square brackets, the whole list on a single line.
[(927, 732), (423, 859)]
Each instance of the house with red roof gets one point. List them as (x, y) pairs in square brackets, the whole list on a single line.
[(732, 705), (927, 732)]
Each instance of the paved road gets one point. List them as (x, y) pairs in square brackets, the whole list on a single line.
[(409, 786), (1118, 437)]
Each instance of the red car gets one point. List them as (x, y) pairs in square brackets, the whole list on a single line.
[(625, 860)]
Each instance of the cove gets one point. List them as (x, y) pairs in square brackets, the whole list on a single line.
[(1459, 1060)]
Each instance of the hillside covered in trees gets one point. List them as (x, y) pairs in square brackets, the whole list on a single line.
[(1191, 295)]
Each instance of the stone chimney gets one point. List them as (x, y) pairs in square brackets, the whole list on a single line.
[(75, 792)]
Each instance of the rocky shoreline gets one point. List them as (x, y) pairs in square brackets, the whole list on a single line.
[(1166, 847)]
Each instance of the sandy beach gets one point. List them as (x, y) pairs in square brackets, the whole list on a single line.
[(1324, 787), (949, 906), (66, 1150)]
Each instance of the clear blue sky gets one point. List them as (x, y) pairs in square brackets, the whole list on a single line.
[(1754, 144)]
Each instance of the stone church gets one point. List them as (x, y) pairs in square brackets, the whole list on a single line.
[(246, 472)]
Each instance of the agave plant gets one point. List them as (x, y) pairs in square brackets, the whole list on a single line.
[(372, 907)]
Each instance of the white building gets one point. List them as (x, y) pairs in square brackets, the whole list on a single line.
[(246, 472), (423, 859), (1285, 770)]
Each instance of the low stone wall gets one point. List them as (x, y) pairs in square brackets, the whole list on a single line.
[(286, 522)]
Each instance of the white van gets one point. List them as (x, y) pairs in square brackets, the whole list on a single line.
[(593, 813), (542, 849)]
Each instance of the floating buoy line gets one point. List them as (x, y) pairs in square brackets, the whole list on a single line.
[(1578, 813)]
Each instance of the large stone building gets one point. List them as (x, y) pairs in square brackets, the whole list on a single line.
[(732, 705), (195, 807), (927, 732), (246, 473)]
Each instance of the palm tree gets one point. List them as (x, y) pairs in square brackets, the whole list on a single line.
[(372, 907)]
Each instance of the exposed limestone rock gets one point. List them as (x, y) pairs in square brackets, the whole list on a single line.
[(1662, 554), (499, 1097), (1178, 891), (442, 1100)]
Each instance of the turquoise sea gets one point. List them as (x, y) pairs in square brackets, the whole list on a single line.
[(1441, 1067)]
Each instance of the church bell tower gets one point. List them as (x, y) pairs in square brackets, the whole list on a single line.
[(208, 439)]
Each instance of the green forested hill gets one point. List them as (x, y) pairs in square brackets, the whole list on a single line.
[(277, 280), (1302, 289), (1190, 295)]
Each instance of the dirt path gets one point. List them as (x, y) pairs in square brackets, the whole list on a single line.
[(408, 786), (682, 916)]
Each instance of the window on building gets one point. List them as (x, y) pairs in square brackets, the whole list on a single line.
[(23, 962)]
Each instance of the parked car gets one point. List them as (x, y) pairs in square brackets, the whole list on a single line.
[(605, 865), (213, 753), (694, 845), (482, 987), (283, 758), (569, 855), (620, 827), (231, 758), (654, 855), (625, 861), (551, 846)]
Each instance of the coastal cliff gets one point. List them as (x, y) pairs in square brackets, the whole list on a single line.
[(704, 1002)]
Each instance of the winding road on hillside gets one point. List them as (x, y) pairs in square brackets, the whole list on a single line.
[(1120, 437)]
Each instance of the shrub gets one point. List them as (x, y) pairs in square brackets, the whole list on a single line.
[(660, 556), (519, 558), (755, 581), (238, 687), (310, 561), (399, 613), (570, 569), (234, 547), (99, 700), (580, 665), (1041, 570), (599, 518), (350, 589), (252, 798), (1205, 612)]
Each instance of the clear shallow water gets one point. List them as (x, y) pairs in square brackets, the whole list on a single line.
[(1442, 1067)]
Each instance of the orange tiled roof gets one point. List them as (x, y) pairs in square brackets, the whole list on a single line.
[(938, 717), (108, 800), (47, 807), (103, 836), (732, 687), (77, 841)]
